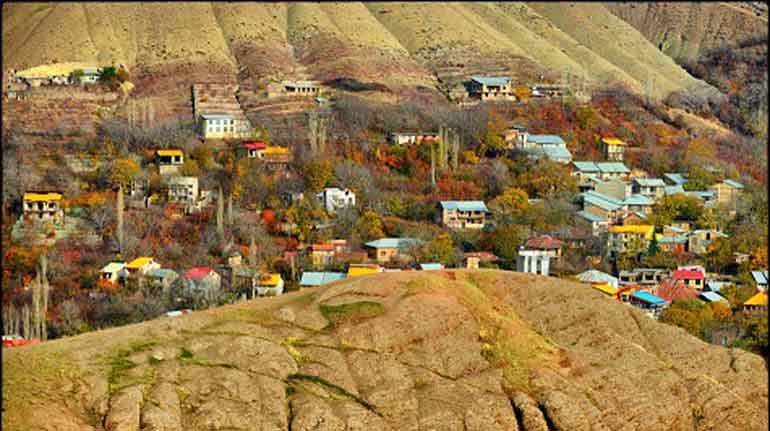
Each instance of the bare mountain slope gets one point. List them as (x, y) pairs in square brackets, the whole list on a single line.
[(445, 350), (392, 43), (686, 30)]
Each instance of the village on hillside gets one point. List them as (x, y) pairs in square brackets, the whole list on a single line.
[(235, 214)]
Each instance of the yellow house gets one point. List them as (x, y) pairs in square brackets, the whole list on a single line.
[(756, 304), (270, 284), (621, 237), (355, 270), (43, 207), (613, 149), (141, 265), (169, 161)]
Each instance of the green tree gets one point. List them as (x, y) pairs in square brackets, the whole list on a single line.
[(504, 242), (756, 339), (190, 168), (719, 255), (676, 207)]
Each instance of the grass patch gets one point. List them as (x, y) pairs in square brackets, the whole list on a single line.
[(119, 364), (336, 391), (351, 312), (188, 358)]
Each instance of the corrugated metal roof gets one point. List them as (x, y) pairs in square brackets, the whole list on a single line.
[(673, 239), (42, 197), (491, 80), (613, 141), (393, 243), (733, 184), (602, 201), (320, 278), (676, 178), (672, 190), (167, 153), (586, 167), (650, 182), (558, 153), (605, 288), (594, 276), (546, 140), (648, 297), (593, 218), (712, 297), (431, 266), (612, 167), (217, 116), (139, 262), (759, 276), (161, 273), (715, 286), (637, 199), (758, 299), (464, 205)]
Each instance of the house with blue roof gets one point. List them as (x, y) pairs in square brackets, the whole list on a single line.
[(390, 249), (604, 170), (760, 278), (431, 266), (600, 205), (672, 190), (464, 214), (491, 88), (675, 179), (312, 279), (712, 297), (673, 244), (647, 301), (653, 188), (637, 203), (551, 146), (597, 224)]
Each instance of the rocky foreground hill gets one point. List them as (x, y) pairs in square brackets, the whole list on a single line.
[(449, 350)]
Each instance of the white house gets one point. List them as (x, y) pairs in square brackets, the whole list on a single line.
[(533, 261), (113, 271), (333, 198), (270, 285), (183, 189)]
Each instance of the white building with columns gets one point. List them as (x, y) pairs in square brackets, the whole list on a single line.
[(533, 261)]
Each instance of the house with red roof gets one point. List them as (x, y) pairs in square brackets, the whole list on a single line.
[(675, 290), (693, 276), (546, 243), (254, 149), (204, 280)]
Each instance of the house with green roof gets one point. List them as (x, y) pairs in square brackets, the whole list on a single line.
[(726, 192), (464, 214), (653, 188)]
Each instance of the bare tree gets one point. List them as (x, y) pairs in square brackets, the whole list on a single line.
[(221, 215), (119, 208)]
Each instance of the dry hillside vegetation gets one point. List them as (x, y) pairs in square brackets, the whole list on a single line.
[(687, 30), (391, 43), (475, 350)]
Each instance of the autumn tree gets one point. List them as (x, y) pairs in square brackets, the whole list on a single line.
[(510, 205), (505, 241), (440, 249), (368, 227), (676, 207), (317, 173)]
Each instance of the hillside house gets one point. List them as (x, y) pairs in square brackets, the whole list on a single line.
[(639, 204), (161, 278), (653, 188), (602, 206), (616, 189), (595, 223), (700, 239), (629, 238), (515, 137), (549, 245), (648, 301), (182, 189), (674, 244), (756, 305), (672, 190), (760, 278), (548, 90), (169, 161), (603, 170), (693, 276), (727, 192), (301, 88), (672, 230), (203, 280), (594, 276), (709, 296), (313, 279), (473, 259), (254, 149), (491, 88), (333, 199), (463, 214), (708, 197), (113, 272), (533, 261), (386, 250), (224, 126), (552, 147), (642, 276), (613, 149), (43, 207), (140, 266), (270, 284), (359, 269), (321, 254), (410, 138), (673, 290)]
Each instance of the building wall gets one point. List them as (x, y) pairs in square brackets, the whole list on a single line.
[(463, 220)]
